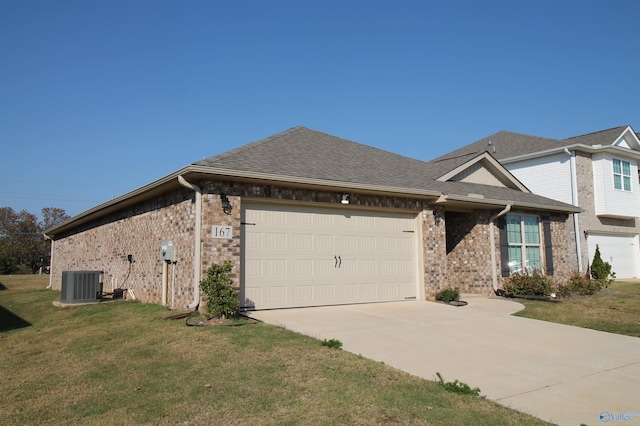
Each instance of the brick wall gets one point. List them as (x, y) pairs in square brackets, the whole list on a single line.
[(137, 231), (456, 252), (469, 252)]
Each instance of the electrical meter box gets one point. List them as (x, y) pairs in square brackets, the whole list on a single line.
[(169, 252)]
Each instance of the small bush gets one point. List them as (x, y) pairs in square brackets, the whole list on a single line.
[(222, 301), (601, 270), (534, 284), (584, 286), (448, 295), (332, 343), (458, 387)]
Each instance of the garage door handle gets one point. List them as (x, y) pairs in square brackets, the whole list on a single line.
[(340, 264), (336, 258)]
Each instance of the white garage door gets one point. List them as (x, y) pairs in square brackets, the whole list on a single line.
[(621, 251), (296, 256)]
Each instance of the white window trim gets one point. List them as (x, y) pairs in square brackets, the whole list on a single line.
[(622, 175), (524, 244)]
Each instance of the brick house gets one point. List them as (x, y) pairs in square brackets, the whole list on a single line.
[(597, 172), (311, 219)]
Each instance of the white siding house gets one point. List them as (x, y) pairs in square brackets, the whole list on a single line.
[(549, 175)]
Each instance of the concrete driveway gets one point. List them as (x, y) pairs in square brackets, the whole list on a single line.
[(562, 374)]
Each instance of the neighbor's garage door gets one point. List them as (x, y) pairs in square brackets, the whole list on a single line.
[(621, 251), (296, 256)]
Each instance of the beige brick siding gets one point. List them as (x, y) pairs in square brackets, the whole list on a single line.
[(463, 261), (469, 252)]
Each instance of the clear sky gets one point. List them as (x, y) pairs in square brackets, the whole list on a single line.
[(100, 97)]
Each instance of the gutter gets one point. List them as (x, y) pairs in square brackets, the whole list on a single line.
[(197, 241), (492, 241), (574, 147)]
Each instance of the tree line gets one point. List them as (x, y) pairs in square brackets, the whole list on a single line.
[(23, 246)]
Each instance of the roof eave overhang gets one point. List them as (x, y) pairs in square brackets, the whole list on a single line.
[(194, 172), (575, 147), (488, 203)]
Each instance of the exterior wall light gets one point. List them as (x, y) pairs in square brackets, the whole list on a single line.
[(345, 199), (438, 216), (226, 205)]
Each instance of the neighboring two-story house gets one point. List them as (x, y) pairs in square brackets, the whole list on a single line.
[(597, 172)]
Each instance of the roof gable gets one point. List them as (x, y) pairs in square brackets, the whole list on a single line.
[(483, 169)]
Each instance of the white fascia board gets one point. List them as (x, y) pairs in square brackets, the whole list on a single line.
[(488, 202), (487, 157), (631, 135), (575, 147)]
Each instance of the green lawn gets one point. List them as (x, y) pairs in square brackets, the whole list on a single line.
[(615, 309), (123, 363)]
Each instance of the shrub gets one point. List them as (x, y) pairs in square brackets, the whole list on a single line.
[(534, 284), (457, 387), (448, 295), (332, 343), (584, 286), (601, 270), (222, 301)]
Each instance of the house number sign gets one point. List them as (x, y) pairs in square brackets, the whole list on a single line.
[(225, 232)]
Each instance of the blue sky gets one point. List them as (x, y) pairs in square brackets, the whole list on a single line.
[(100, 97)]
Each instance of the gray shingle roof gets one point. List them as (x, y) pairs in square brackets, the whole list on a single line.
[(304, 153), (505, 144), (603, 137)]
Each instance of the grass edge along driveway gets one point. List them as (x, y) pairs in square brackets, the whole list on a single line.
[(123, 363)]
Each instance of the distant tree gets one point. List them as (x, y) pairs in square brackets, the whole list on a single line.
[(52, 216), (23, 247)]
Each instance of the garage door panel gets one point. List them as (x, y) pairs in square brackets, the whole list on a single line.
[(621, 251), (295, 256)]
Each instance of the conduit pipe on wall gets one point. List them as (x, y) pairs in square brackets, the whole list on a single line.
[(492, 241), (197, 241), (574, 201)]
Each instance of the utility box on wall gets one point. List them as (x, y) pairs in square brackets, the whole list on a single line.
[(169, 252)]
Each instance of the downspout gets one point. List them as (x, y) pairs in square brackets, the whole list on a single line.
[(50, 263), (492, 241), (574, 201), (197, 241)]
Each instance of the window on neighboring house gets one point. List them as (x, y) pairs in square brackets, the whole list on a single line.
[(523, 237), (621, 174)]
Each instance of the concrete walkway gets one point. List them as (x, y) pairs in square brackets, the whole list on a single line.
[(562, 374)]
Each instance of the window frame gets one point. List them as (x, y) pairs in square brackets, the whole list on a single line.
[(624, 176), (524, 243)]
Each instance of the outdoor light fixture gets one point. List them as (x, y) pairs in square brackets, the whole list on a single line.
[(438, 216), (226, 205), (345, 199)]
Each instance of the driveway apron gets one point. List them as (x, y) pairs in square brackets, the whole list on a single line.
[(563, 374)]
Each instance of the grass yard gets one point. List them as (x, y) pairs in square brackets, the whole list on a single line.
[(122, 363), (616, 310)]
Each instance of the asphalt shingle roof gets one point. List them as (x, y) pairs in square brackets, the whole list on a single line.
[(505, 144), (304, 153)]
